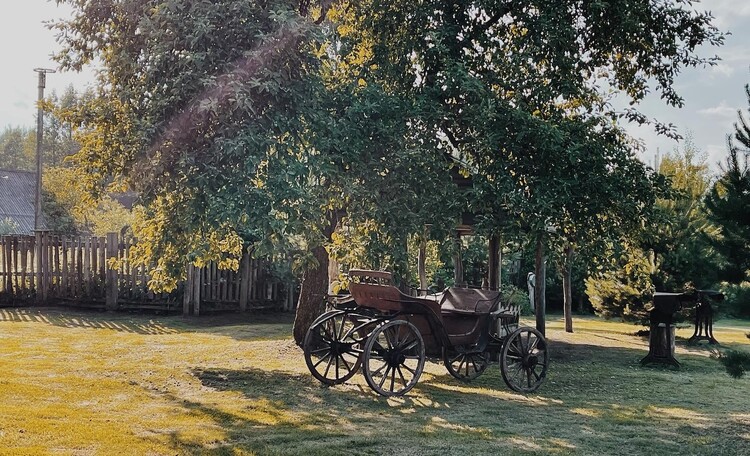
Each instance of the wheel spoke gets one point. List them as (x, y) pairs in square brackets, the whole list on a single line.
[(379, 369), (534, 344), (385, 377), (328, 367), (328, 355), (393, 378), (401, 374), (413, 372), (348, 367), (411, 345)]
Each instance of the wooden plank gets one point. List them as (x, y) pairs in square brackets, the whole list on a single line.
[(102, 259), (187, 294), (58, 265), (197, 291), (79, 268), (112, 283), (24, 262), (65, 267), (32, 263), (87, 265), (245, 273)]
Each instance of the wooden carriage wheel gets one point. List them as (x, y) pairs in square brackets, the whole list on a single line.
[(333, 347), (393, 358), (465, 366), (524, 360)]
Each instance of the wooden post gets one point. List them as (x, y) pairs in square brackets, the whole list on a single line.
[(187, 295), (458, 267), (245, 273), (540, 270), (197, 280), (41, 266), (494, 263), (112, 276), (421, 266)]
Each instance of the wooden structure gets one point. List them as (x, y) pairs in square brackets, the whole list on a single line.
[(96, 272), (390, 334), (704, 317), (661, 330), (17, 203)]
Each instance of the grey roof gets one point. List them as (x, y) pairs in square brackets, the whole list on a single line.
[(17, 190)]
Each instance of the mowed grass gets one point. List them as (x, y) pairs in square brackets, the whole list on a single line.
[(113, 384)]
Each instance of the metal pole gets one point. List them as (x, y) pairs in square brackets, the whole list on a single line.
[(42, 72)]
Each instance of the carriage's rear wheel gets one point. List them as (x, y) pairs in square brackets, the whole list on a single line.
[(393, 358), (524, 360), (332, 347), (465, 366)]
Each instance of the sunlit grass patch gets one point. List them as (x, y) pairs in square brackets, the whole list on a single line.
[(91, 383)]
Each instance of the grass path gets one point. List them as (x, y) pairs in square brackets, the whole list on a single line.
[(75, 383)]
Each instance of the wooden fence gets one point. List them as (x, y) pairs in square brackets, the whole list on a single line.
[(97, 272)]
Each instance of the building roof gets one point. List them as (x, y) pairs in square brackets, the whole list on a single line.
[(17, 191)]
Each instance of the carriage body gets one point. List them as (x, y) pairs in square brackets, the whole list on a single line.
[(391, 333)]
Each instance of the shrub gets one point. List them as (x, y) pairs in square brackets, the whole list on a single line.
[(735, 362), (625, 290), (737, 299)]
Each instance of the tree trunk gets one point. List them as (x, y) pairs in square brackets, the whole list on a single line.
[(421, 267), (568, 288), (540, 271), (312, 295), (314, 288), (494, 263)]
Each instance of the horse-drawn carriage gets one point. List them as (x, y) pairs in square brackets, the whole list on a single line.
[(389, 334)]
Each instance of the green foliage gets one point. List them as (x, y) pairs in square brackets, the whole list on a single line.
[(735, 362), (512, 295), (18, 149), (682, 234), (69, 208), (728, 203), (57, 215), (8, 226), (58, 141), (623, 288), (737, 298), (244, 122)]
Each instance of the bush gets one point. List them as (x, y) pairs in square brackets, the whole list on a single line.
[(625, 290), (737, 299), (512, 295), (735, 362)]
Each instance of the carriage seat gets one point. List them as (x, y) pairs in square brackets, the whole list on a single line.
[(468, 301)]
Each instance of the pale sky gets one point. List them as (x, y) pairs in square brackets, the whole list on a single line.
[(712, 96)]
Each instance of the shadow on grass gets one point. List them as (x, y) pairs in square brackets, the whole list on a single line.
[(242, 326), (643, 410)]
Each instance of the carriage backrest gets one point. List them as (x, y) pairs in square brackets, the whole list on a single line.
[(469, 299), (390, 298), (372, 277)]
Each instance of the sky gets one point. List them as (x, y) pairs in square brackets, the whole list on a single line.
[(712, 95)]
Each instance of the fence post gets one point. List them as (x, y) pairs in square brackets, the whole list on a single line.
[(112, 278), (42, 264), (245, 274), (187, 294), (197, 279)]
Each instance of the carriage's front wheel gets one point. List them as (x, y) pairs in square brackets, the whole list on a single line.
[(524, 360), (332, 347), (393, 358), (465, 366)]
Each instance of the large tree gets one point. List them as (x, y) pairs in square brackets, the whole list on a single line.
[(728, 202), (242, 126), (224, 116), (519, 92)]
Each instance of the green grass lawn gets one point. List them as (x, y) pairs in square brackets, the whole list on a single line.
[(113, 384)]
